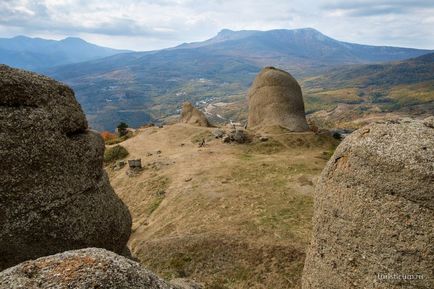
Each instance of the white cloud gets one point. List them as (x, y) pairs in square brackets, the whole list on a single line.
[(152, 24)]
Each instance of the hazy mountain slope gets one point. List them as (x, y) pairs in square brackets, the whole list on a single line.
[(138, 87), (379, 83), (37, 53), (307, 47)]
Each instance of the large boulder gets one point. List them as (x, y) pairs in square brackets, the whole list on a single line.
[(191, 115), (373, 224), (82, 269), (275, 99), (54, 193)]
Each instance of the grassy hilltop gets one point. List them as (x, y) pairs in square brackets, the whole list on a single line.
[(228, 215)]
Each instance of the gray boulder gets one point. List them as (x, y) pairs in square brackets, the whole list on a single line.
[(218, 133), (238, 136), (54, 193), (191, 115), (82, 269), (373, 224), (275, 100)]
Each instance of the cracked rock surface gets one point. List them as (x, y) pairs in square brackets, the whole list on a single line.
[(82, 269), (373, 224), (54, 193)]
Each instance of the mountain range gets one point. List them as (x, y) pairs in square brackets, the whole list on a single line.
[(306, 47), (37, 53), (139, 87)]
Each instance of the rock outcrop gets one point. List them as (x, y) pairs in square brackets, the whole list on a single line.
[(54, 193), (191, 115), (275, 99), (82, 269), (374, 211)]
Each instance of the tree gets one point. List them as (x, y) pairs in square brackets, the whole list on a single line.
[(122, 129)]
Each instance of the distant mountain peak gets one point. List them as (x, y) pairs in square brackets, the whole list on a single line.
[(38, 53), (20, 37), (306, 29), (225, 31), (73, 40), (227, 34)]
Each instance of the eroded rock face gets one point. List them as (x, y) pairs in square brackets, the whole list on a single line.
[(82, 269), (374, 211), (275, 99), (54, 194), (192, 115)]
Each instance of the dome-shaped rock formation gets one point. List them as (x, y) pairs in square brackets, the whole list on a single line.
[(275, 99), (191, 115), (82, 269), (54, 193), (374, 211)]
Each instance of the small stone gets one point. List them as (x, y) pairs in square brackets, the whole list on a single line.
[(135, 164), (429, 122), (239, 136), (218, 133)]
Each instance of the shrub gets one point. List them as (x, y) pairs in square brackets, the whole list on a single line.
[(122, 129), (106, 135), (115, 153)]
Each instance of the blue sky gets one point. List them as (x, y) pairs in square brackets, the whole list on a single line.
[(154, 24)]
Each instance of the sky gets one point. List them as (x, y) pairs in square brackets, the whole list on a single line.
[(155, 24)]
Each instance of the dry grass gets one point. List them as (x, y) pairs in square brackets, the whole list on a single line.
[(231, 216)]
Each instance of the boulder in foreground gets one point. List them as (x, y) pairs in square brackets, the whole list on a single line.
[(82, 269), (373, 224), (54, 193)]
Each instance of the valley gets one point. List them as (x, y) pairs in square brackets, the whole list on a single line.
[(141, 87)]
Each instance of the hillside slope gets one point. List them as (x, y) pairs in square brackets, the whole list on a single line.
[(137, 87), (37, 53), (404, 87), (352, 96), (230, 216)]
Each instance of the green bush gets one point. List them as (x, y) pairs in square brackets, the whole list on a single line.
[(122, 129), (115, 153)]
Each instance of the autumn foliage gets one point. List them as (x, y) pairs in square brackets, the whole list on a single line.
[(106, 135)]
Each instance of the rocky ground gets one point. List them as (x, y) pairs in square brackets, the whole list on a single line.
[(228, 215)]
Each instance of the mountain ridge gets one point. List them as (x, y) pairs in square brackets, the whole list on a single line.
[(300, 45), (37, 53), (139, 87)]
